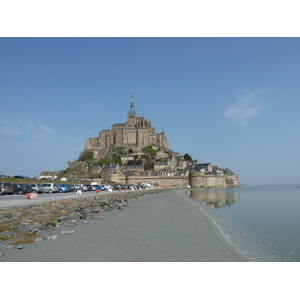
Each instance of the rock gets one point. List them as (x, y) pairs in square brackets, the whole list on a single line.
[(3, 217), (74, 216), (8, 216), (38, 239), (1, 254), (50, 224), (67, 231), (22, 246), (5, 245), (52, 237), (42, 229), (7, 233), (62, 218)]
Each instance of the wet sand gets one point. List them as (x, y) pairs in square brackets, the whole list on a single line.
[(165, 228)]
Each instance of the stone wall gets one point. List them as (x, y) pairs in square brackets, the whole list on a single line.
[(165, 181), (197, 179)]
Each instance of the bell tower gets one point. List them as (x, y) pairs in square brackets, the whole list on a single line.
[(131, 116)]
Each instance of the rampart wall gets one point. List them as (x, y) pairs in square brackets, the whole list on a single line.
[(198, 179), (165, 181), (195, 179)]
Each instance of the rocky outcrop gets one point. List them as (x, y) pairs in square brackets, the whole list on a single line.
[(21, 227)]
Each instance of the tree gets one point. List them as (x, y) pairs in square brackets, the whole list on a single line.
[(148, 164), (152, 153), (118, 160), (139, 161), (187, 157), (105, 161), (86, 155)]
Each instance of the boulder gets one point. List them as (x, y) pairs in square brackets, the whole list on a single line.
[(5, 245), (22, 246)]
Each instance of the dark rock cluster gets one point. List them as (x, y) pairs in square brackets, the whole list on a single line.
[(21, 227)]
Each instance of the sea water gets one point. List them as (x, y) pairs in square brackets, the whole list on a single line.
[(268, 217)]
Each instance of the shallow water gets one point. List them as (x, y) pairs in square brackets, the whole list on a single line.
[(266, 216)]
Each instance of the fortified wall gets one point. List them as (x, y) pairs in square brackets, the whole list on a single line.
[(195, 180), (165, 181), (198, 179)]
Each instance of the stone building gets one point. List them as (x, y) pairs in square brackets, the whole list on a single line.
[(160, 165), (136, 133), (110, 172)]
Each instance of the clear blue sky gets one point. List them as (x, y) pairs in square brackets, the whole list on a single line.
[(233, 102)]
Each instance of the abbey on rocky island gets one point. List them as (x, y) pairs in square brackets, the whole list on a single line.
[(134, 134)]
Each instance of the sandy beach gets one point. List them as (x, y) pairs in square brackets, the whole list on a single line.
[(166, 228)]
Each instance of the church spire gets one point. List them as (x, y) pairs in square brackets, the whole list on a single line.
[(131, 111)]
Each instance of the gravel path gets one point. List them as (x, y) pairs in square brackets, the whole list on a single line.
[(153, 228)]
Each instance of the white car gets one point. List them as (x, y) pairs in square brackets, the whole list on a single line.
[(107, 187)]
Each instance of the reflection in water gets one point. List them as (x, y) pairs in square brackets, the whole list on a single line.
[(214, 198)]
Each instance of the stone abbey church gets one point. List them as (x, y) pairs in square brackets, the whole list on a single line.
[(135, 134)]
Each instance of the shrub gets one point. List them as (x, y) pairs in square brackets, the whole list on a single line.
[(86, 155)]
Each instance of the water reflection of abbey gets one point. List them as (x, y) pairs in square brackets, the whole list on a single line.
[(214, 198)]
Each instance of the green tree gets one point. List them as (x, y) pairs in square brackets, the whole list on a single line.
[(187, 157), (105, 161), (148, 164), (139, 161), (118, 160), (86, 155), (146, 149), (152, 153)]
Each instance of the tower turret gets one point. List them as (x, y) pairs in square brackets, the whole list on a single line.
[(131, 116)]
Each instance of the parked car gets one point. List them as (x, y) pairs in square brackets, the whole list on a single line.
[(20, 188), (89, 187), (83, 187), (74, 187), (63, 188), (6, 188), (95, 187), (98, 187), (38, 188), (107, 186), (50, 188)]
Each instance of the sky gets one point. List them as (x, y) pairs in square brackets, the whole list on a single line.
[(233, 102)]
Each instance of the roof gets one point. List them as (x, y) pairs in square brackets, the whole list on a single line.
[(204, 165), (134, 167), (112, 167), (49, 173), (119, 125)]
